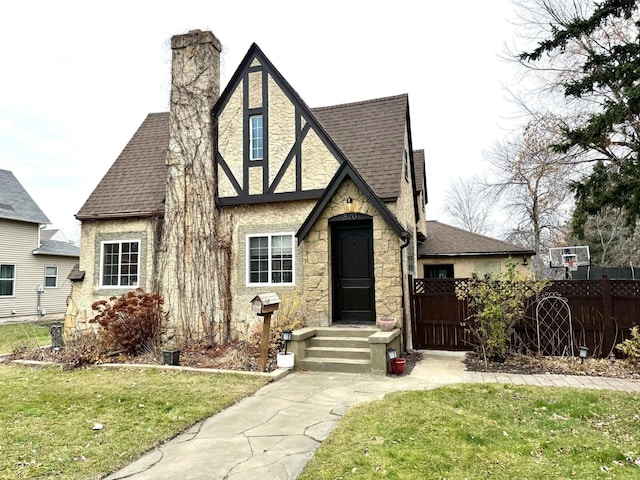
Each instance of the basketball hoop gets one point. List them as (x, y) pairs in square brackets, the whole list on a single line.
[(572, 265)]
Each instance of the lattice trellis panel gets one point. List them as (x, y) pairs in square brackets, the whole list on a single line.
[(553, 325)]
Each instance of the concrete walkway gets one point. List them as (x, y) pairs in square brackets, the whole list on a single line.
[(273, 434)]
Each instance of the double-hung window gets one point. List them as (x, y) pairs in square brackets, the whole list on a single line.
[(51, 276), (7, 280), (120, 264), (256, 138), (270, 259)]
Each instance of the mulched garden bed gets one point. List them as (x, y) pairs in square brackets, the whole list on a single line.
[(525, 364)]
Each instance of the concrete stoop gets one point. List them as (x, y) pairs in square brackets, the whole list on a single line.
[(343, 349)]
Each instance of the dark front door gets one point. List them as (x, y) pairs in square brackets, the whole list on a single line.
[(352, 267)]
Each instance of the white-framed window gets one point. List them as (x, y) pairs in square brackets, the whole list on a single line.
[(7, 280), (120, 263), (270, 259), (51, 276), (256, 139)]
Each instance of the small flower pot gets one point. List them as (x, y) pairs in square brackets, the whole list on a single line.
[(397, 365), (386, 324), (285, 360), (171, 357)]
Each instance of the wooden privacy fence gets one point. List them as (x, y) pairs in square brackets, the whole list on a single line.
[(602, 313)]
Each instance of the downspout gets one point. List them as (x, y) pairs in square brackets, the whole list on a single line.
[(402, 305)]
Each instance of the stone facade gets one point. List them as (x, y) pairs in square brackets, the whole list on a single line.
[(93, 234), (317, 248)]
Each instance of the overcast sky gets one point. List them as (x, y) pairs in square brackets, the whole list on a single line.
[(78, 78)]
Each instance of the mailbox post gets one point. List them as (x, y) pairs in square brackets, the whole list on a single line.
[(264, 305)]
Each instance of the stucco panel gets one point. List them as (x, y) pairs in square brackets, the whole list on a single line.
[(255, 89), (230, 145), (318, 163), (282, 134)]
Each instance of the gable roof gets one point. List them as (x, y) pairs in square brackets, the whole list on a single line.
[(16, 203), (368, 134), (446, 241), (371, 135), (135, 185), (344, 172)]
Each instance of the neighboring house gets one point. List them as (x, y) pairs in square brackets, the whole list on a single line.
[(450, 252), (34, 263), (322, 201)]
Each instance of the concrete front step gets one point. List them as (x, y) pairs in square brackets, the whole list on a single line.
[(343, 342), (339, 352), (335, 365), (345, 331)]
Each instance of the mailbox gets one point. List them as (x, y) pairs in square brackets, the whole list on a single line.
[(265, 303)]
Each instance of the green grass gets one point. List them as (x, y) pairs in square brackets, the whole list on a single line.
[(47, 415), (27, 334), (485, 431)]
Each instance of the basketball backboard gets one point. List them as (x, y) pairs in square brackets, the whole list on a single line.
[(569, 257)]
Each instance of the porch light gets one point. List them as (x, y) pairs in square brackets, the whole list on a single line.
[(583, 353), (524, 260), (349, 203), (286, 337)]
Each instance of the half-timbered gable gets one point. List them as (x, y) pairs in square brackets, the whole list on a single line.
[(270, 147)]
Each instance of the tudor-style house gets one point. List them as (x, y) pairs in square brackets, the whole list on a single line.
[(323, 201)]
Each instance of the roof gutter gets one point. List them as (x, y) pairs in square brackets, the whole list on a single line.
[(107, 216)]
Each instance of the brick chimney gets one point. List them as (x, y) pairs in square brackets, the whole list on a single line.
[(188, 259)]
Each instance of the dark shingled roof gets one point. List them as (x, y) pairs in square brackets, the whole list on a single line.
[(135, 184), (446, 241), (16, 203), (371, 136), (58, 248)]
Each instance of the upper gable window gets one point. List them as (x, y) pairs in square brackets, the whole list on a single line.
[(120, 264), (255, 138)]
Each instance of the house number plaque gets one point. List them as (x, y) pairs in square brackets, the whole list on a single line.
[(350, 216)]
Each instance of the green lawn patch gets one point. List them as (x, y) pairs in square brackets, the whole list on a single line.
[(27, 334), (86, 423), (485, 431)]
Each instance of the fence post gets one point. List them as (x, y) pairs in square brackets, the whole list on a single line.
[(609, 321)]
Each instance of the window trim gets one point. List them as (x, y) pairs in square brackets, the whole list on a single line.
[(13, 280), (253, 139), (119, 242), (269, 236), (55, 277)]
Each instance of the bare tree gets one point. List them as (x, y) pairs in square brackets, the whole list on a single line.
[(530, 180), (579, 59), (467, 206)]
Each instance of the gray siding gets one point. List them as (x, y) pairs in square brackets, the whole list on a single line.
[(17, 242)]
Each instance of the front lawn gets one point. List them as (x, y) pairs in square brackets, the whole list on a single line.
[(26, 334), (86, 423), (485, 431)]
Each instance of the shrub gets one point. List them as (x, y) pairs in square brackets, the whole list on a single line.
[(497, 305), (130, 323), (290, 316), (631, 347)]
